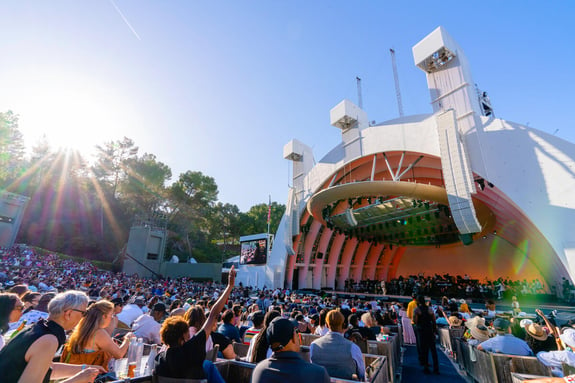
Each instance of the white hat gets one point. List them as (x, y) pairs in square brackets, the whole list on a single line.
[(525, 322), (568, 337), (10, 283)]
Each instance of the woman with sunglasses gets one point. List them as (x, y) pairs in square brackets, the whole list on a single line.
[(10, 311), (90, 343)]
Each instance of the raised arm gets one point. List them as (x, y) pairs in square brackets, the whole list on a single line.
[(551, 328), (105, 342), (215, 311)]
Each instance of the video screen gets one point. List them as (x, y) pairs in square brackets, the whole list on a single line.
[(254, 252)]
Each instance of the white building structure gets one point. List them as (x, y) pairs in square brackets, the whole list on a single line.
[(457, 191)]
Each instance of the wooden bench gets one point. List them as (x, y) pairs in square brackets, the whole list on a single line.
[(506, 364), (520, 378), (241, 372), (390, 350), (241, 349), (307, 339), (489, 367)]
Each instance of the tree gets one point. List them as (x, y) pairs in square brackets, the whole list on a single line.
[(12, 162), (255, 220), (191, 200), (144, 188), (111, 165)]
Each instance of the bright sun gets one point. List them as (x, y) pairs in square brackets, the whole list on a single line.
[(73, 112)]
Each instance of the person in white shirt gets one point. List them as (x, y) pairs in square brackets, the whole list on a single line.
[(131, 312), (148, 327)]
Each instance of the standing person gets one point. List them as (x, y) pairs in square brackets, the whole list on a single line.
[(286, 364), (10, 311), (28, 357), (424, 320)]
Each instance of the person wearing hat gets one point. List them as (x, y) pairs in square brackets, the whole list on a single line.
[(340, 357), (454, 321), (555, 359), (538, 339), (286, 364), (504, 342), (148, 327), (476, 331)]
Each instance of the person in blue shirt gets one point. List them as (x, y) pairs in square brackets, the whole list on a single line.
[(228, 329), (504, 342)]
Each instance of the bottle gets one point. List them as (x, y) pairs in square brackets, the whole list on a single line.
[(132, 358), (20, 328), (151, 360), (139, 355)]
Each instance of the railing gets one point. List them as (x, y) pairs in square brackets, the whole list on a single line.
[(241, 372), (487, 367)]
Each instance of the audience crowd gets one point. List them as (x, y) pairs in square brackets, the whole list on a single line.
[(90, 317)]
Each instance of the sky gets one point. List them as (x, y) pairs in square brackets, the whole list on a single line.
[(221, 86)]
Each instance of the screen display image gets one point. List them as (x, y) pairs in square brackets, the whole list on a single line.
[(254, 252)]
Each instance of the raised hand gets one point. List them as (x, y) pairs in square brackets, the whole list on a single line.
[(232, 276)]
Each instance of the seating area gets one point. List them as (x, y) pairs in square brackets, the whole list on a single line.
[(382, 364), (486, 367)]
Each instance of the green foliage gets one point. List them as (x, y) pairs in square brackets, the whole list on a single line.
[(88, 210), (12, 162)]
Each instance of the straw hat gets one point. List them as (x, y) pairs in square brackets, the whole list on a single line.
[(480, 332), (454, 321), (536, 331), (474, 322)]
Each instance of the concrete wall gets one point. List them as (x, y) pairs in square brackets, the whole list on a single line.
[(203, 271)]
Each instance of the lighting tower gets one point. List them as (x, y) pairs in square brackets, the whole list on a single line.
[(396, 79)]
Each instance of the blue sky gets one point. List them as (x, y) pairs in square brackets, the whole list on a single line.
[(221, 86)]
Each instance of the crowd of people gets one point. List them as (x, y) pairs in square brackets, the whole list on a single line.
[(455, 286), (89, 318)]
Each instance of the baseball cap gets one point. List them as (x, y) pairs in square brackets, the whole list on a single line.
[(279, 333), (160, 307), (501, 324)]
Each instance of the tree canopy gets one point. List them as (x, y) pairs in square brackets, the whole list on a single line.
[(87, 209)]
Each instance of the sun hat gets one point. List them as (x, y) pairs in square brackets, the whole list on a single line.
[(480, 332), (536, 332), (454, 321), (475, 321)]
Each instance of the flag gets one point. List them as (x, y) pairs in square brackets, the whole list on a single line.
[(270, 210)]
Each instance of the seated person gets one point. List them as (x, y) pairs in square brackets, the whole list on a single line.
[(286, 364), (228, 329), (366, 334), (504, 342), (340, 357), (555, 359), (185, 355), (148, 327)]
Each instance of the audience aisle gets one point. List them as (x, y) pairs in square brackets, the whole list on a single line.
[(413, 372)]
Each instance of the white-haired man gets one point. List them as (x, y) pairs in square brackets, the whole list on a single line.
[(28, 357)]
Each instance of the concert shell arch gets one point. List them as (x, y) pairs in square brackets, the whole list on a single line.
[(456, 191)]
